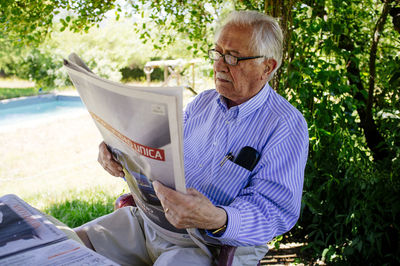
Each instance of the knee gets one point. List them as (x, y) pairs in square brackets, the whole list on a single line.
[(82, 234)]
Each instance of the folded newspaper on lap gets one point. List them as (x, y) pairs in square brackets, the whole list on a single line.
[(27, 237), (142, 127)]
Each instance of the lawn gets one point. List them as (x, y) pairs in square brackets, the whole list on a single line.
[(6, 93), (14, 87), (53, 166)]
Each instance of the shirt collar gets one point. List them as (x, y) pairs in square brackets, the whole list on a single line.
[(248, 107)]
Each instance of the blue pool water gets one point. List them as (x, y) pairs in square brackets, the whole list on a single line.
[(27, 110)]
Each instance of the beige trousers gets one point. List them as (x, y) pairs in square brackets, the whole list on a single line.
[(125, 238)]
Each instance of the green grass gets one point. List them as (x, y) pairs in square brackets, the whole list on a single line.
[(74, 201), (83, 207), (74, 206), (7, 93), (53, 166)]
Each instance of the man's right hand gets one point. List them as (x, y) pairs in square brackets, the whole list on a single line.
[(106, 160)]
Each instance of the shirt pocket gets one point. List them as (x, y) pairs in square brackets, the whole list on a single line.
[(227, 182)]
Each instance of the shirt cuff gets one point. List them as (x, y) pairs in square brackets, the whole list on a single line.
[(233, 226)]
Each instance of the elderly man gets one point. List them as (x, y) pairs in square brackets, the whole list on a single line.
[(238, 205)]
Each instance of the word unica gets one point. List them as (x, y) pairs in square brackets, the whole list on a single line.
[(156, 154), (152, 153)]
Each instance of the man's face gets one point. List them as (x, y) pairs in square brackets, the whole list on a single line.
[(241, 82)]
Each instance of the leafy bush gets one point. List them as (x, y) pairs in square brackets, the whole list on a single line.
[(351, 211), (352, 219), (40, 64), (43, 67), (136, 73)]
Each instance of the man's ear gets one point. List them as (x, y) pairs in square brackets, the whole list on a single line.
[(270, 65)]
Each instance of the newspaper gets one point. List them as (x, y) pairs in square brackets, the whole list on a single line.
[(27, 237), (142, 127)]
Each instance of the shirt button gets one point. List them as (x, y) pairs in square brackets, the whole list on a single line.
[(226, 122), (200, 165), (215, 143)]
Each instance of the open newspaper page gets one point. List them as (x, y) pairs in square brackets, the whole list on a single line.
[(22, 227), (142, 126), (27, 237), (67, 252)]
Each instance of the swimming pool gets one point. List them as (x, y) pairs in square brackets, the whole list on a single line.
[(29, 110)]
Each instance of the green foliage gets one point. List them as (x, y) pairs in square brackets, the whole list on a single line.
[(353, 222), (25, 26), (28, 22), (108, 50), (42, 65), (194, 21), (137, 73), (276, 242), (350, 210)]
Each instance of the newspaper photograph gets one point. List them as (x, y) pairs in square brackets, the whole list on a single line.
[(142, 127)]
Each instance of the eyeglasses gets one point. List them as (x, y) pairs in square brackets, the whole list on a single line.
[(229, 59)]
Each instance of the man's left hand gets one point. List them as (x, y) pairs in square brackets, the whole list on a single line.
[(190, 210)]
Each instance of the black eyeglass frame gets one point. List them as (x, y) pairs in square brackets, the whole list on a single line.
[(237, 58)]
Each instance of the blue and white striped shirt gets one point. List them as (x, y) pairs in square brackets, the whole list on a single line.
[(265, 202)]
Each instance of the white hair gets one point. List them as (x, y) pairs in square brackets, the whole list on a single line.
[(267, 36)]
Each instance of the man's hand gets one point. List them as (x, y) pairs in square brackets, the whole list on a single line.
[(106, 160), (191, 210)]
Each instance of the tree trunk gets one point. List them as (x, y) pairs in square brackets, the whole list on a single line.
[(281, 10), (374, 139), (372, 55)]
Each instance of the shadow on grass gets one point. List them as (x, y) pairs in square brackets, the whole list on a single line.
[(77, 212)]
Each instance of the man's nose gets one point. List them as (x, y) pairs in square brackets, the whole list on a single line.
[(220, 65)]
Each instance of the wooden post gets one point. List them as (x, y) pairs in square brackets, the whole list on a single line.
[(165, 75)]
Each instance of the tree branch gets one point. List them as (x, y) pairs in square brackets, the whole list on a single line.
[(372, 55)]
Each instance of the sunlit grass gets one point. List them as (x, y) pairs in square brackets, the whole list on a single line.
[(74, 195), (78, 208), (54, 168), (7, 93)]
